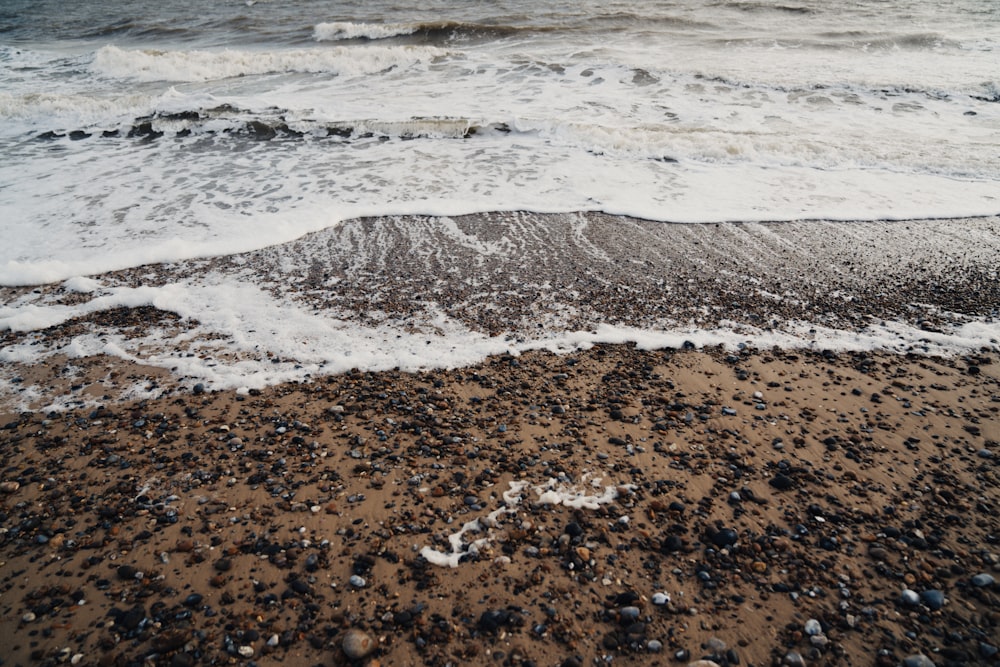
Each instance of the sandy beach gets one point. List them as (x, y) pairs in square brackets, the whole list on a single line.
[(608, 505)]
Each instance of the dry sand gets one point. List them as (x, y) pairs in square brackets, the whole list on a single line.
[(216, 528)]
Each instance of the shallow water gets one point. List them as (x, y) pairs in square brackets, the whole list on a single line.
[(142, 133)]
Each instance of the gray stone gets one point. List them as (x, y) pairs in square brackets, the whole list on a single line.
[(983, 580), (934, 599), (917, 660)]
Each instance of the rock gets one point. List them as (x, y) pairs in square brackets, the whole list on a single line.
[(782, 482), (917, 660), (245, 651), (715, 645), (628, 614), (909, 597), (671, 544), (493, 619), (934, 599), (9, 486), (660, 599), (193, 600), (988, 651), (983, 580), (813, 628), (357, 644), (169, 641), (28, 617), (654, 646), (703, 663), (724, 538), (878, 553), (794, 659), (357, 582)]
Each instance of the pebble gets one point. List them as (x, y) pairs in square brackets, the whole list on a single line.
[(909, 597), (28, 617), (917, 660), (794, 659), (934, 599), (628, 614), (357, 582), (703, 663), (246, 651), (715, 645), (983, 580), (782, 482), (660, 599), (813, 627), (9, 486), (654, 646), (724, 538), (357, 644)]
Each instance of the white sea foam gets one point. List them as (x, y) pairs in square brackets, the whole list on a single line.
[(193, 66), (243, 331), (553, 492), (323, 32)]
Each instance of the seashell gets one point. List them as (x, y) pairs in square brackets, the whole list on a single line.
[(357, 644)]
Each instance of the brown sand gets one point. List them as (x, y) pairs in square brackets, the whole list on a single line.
[(213, 528)]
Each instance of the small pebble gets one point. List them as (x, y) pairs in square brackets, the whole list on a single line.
[(813, 627), (660, 599), (357, 582), (983, 580), (357, 644)]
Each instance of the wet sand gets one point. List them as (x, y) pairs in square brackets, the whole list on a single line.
[(660, 507)]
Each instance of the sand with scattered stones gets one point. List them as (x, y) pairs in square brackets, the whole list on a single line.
[(604, 506)]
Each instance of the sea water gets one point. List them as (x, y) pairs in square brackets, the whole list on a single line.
[(146, 131)]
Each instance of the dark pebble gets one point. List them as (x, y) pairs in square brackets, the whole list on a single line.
[(934, 599), (193, 600), (724, 538), (782, 482)]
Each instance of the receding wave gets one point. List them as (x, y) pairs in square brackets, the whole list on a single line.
[(432, 32), (192, 66)]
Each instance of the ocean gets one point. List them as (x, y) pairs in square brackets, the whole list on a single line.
[(157, 154)]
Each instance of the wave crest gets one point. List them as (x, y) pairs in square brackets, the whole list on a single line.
[(194, 66)]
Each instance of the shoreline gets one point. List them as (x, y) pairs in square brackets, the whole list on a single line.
[(418, 292), (204, 527)]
